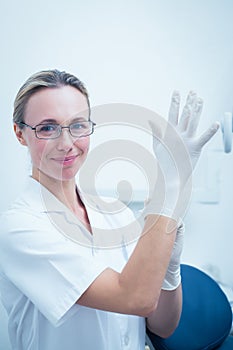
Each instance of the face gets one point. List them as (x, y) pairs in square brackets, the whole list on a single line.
[(60, 158)]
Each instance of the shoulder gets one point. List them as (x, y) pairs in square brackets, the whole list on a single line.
[(14, 218), (24, 211), (26, 215), (30, 198)]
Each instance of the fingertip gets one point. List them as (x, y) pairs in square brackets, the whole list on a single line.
[(215, 125), (200, 100), (192, 92), (191, 98), (209, 133), (176, 96), (198, 105)]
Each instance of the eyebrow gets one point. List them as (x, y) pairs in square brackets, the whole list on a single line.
[(54, 121), (48, 121)]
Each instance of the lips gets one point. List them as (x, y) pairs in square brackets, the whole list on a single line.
[(66, 160)]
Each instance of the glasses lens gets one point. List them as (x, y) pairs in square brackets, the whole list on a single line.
[(81, 129), (48, 131)]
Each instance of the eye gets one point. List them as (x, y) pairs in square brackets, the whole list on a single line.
[(48, 128), (77, 126)]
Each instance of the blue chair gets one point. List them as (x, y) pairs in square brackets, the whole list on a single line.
[(206, 317)]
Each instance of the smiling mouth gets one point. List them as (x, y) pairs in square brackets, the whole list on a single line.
[(66, 160)]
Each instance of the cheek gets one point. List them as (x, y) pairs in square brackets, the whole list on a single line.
[(38, 150), (83, 144)]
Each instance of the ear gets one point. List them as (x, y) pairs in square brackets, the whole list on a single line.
[(19, 134)]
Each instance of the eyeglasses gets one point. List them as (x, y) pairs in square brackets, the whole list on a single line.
[(53, 131)]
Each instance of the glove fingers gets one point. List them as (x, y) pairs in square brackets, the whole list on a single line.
[(173, 113), (191, 98), (195, 118), (206, 136), (185, 117), (187, 111)]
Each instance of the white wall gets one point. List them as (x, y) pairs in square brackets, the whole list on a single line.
[(136, 52)]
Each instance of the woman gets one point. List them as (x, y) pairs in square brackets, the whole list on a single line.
[(64, 295)]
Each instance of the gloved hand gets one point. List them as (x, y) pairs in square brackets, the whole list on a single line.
[(177, 149)]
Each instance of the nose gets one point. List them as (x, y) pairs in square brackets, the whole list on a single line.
[(65, 141)]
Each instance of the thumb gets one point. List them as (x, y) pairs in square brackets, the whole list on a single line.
[(208, 134)]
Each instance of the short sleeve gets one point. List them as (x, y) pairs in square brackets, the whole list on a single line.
[(48, 268)]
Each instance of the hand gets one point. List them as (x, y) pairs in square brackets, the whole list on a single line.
[(187, 125), (186, 128), (177, 149)]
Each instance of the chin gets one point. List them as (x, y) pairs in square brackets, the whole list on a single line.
[(45, 177), (58, 173), (66, 175)]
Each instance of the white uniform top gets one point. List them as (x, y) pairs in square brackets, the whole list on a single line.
[(43, 273)]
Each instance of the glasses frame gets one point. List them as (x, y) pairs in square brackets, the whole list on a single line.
[(93, 124)]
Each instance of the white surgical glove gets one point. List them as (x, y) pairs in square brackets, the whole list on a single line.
[(173, 278), (177, 149)]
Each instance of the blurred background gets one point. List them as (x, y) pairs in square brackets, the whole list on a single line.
[(137, 52)]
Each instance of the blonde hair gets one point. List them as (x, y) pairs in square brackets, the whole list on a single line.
[(42, 80)]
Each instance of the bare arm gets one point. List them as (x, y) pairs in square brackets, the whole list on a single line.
[(136, 290)]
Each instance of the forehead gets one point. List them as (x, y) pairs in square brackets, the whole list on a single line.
[(60, 104)]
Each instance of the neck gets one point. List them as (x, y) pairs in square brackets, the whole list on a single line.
[(65, 191)]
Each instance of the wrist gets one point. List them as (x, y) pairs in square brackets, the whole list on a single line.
[(172, 279)]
